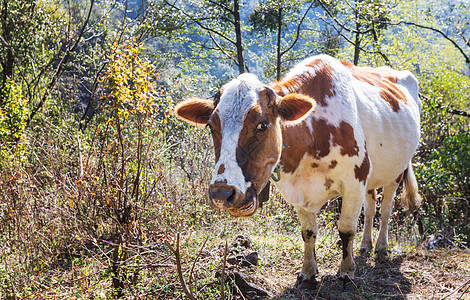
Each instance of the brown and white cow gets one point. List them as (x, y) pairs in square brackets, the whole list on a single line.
[(334, 128)]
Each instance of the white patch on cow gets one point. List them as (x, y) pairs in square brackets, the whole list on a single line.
[(239, 95)]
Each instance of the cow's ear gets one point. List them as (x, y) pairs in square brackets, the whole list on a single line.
[(195, 111), (295, 107)]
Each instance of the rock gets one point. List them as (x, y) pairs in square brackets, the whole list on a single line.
[(438, 241), (242, 285), (243, 260), (249, 290), (240, 243)]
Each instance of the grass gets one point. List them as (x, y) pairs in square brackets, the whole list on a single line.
[(82, 270)]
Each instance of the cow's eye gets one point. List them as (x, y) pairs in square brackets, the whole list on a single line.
[(262, 126)]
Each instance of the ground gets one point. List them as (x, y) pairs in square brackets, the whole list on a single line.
[(84, 269), (407, 271)]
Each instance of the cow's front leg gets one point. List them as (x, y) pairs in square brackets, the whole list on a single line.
[(306, 278), (350, 210)]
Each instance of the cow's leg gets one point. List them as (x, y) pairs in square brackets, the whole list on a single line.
[(369, 213), (385, 211), (308, 222), (353, 197)]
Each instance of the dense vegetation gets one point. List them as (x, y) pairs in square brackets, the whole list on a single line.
[(102, 189)]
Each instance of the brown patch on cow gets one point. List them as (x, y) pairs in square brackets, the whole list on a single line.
[(328, 183), (318, 84), (381, 145), (400, 178), (384, 80), (373, 194), (307, 234), (314, 165), (258, 150), (361, 172), (333, 164), (214, 123), (221, 169), (299, 141), (266, 97)]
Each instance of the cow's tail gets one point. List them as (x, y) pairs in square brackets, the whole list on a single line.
[(411, 199)]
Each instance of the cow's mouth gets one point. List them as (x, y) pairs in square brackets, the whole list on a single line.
[(245, 210)]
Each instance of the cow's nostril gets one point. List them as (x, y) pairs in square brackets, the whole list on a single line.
[(222, 194), (231, 197)]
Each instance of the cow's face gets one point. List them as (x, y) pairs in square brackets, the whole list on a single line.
[(245, 122)]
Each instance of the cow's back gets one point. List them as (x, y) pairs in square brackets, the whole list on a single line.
[(372, 110), (389, 109)]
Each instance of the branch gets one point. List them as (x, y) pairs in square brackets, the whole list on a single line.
[(371, 30), (449, 110), (200, 24), (222, 278), (341, 24), (467, 58), (222, 50), (61, 64), (298, 30), (467, 42), (221, 6), (351, 42)]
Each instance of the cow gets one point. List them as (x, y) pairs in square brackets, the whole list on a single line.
[(333, 128)]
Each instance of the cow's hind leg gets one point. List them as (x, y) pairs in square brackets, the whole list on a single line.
[(306, 278), (369, 213), (385, 211)]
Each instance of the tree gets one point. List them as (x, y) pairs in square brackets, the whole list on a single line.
[(370, 21), (37, 40), (275, 16), (218, 20)]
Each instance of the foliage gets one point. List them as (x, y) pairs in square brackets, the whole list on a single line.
[(14, 115), (444, 160)]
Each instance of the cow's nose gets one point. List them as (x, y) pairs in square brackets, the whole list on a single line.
[(220, 193)]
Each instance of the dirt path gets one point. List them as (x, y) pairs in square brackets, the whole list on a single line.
[(436, 274)]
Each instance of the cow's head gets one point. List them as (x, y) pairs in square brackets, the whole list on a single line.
[(245, 121)]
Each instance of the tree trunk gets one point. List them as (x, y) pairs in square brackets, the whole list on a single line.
[(238, 33), (7, 61), (279, 31), (357, 42)]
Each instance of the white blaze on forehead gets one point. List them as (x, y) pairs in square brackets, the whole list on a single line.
[(239, 95)]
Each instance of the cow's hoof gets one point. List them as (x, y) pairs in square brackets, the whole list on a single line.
[(305, 283)]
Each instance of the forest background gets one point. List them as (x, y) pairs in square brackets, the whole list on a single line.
[(102, 189)]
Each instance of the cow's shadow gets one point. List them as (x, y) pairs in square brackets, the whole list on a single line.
[(377, 277)]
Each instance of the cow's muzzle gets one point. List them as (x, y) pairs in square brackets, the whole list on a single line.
[(230, 198)]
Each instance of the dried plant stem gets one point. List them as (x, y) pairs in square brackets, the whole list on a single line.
[(176, 252), (222, 276), (194, 263)]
